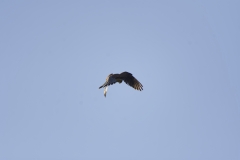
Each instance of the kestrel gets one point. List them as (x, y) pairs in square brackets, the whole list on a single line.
[(124, 76)]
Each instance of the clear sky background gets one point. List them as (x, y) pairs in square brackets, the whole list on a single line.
[(55, 54)]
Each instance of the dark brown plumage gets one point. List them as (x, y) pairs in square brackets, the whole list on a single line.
[(127, 77)]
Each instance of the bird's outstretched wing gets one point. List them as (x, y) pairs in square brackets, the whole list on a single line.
[(131, 81), (109, 81)]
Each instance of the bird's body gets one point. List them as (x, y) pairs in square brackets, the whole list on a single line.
[(124, 76)]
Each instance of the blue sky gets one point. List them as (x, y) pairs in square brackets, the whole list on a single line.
[(55, 54)]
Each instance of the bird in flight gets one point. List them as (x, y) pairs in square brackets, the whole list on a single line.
[(124, 76)]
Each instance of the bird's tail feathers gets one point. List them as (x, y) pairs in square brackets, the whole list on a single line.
[(105, 91)]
